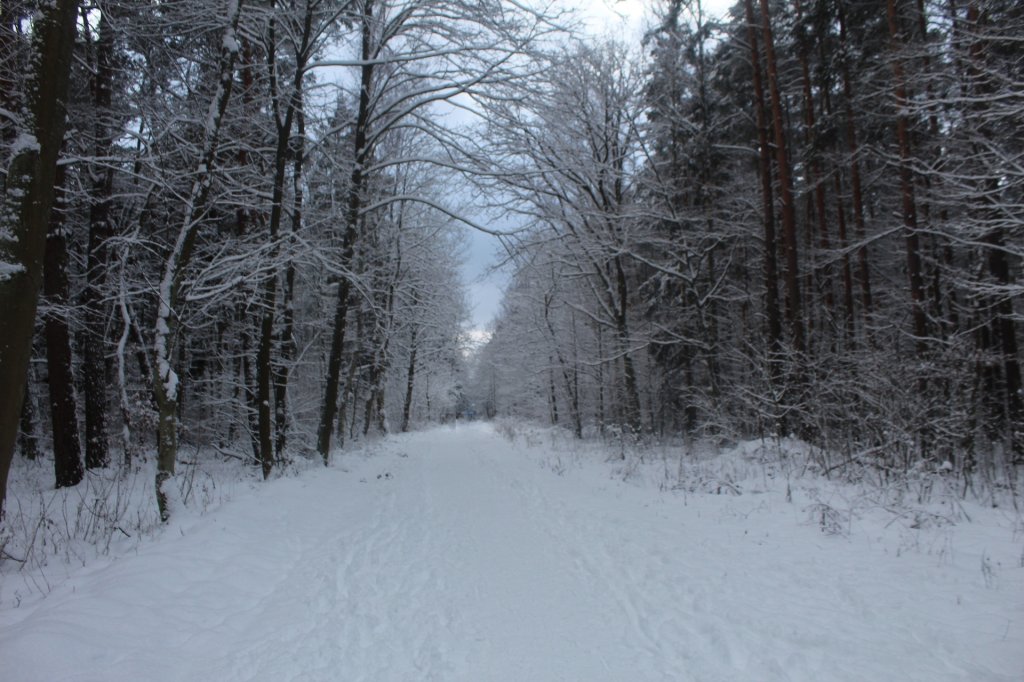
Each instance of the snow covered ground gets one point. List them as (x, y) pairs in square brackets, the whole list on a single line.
[(456, 554)]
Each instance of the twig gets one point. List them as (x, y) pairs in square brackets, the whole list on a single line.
[(7, 555)]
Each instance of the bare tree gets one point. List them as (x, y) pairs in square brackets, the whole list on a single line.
[(413, 55), (165, 329)]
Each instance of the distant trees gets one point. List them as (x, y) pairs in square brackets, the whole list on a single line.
[(566, 160), (821, 233), (413, 55)]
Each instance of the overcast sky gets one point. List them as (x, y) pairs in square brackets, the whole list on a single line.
[(618, 18)]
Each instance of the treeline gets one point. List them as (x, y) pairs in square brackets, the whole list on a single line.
[(239, 217), (805, 218)]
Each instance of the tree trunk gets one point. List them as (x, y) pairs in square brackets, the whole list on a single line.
[(552, 395), (94, 357), (771, 267), (794, 315), (375, 413), (848, 305), (28, 440), (266, 370), (863, 271), (165, 329), (816, 178), (24, 220), (632, 397), (600, 379), (908, 202), (355, 190), (288, 349), (999, 337), (67, 451), (248, 388), (563, 367), (410, 378)]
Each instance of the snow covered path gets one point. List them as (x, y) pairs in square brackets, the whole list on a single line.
[(452, 555)]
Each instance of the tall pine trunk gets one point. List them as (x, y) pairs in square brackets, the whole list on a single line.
[(67, 449), (907, 200), (771, 267), (859, 223), (794, 316), (94, 357)]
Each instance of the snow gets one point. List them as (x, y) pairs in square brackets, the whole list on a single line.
[(24, 142), (456, 554), (164, 369), (230, 43), (9, 270)]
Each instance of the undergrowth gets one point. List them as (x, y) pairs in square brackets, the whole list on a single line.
[(46, 532), (831, 497)]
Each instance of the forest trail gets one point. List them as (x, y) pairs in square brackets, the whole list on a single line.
[(455, 555)]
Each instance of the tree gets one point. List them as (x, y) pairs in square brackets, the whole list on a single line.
[(305, 33), (28, 199), (94, 343), (786, 200), (166, 379)]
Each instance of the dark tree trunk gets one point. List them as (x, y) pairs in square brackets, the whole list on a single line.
[(355, 190), (1004, 343), (248, 386), (794, 315), (67, 453), (375, 413), (567, 380), (94, 357), (27, 438), (264, 424), (288, 349), (908, 203), (28, 200), (771, 267), (863, 270), (267, 372), (816, 178), (848, 304), (601, 415), (410, 379), (632, 397), (552, 395)]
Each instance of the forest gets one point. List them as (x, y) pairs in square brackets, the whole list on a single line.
[(234, 228)]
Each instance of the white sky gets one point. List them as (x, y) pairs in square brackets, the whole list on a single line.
[(619, 18)]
